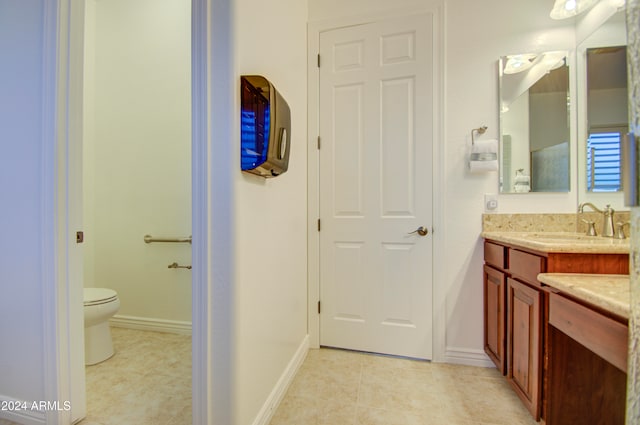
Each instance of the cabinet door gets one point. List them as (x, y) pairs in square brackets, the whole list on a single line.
[(495, 316), (524, 343)]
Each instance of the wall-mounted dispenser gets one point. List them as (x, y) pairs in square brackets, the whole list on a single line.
[(265, 128)]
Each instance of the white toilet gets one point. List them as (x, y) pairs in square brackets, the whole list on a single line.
[(99, 305)]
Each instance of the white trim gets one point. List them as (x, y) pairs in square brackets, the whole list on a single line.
[(437, 9), (150, 324), (22, 416), (213, 260), (439, 295), (469, 357), (277, 394), (313, 186), (55, 288), (74, 210), (200, 342)]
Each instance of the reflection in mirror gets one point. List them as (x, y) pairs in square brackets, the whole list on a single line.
[(534, 123), (602, 117), (607, 116)]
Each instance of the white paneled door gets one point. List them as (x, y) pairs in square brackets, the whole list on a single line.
[(376, 128)]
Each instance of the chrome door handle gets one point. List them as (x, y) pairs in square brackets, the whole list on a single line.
[(422, 231)]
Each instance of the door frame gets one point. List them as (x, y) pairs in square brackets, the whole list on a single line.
[(314, 30), (212, 223)]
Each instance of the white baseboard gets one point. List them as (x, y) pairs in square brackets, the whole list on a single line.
[(21, 411), (468, 357), (273, 401), (147, 324)]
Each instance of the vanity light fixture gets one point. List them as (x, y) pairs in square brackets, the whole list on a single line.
[(563, 9), (554, 60), (518, 63)]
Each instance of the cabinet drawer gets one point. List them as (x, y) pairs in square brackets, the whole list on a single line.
[(526, 266), (495, 254), (602, 335)]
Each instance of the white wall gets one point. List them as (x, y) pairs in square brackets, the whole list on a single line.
[(497, 28), (137, 153), (334, 9), (21, 189), (271, 259), (477, 34)]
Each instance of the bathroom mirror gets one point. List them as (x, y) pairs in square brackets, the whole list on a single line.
[(534, 122), (602, 111)]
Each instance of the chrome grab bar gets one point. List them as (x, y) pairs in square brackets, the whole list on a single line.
[(149, 239)]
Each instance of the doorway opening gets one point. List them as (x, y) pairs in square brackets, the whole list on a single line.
[(136, 172)]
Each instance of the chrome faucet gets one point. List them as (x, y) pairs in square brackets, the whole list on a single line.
[(607, 225), (620, 230)]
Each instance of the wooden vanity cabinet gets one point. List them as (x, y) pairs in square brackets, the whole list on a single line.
[(516, 311)]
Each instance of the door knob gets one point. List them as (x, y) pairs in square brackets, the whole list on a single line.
[(422, 231)]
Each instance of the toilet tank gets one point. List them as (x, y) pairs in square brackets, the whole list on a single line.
[(265, 122)]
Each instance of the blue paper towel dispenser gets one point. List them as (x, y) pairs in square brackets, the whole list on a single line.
[(265, 132)]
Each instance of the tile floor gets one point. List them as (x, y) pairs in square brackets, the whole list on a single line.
[(147, 381), (335, 387)]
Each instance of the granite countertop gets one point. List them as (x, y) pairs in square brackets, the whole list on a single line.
[(569, 242), (610, 292)]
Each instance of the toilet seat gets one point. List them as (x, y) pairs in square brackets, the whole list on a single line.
[(97, 296)]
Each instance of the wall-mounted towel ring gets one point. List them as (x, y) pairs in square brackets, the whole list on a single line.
[(479, 130), (484, 154)]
